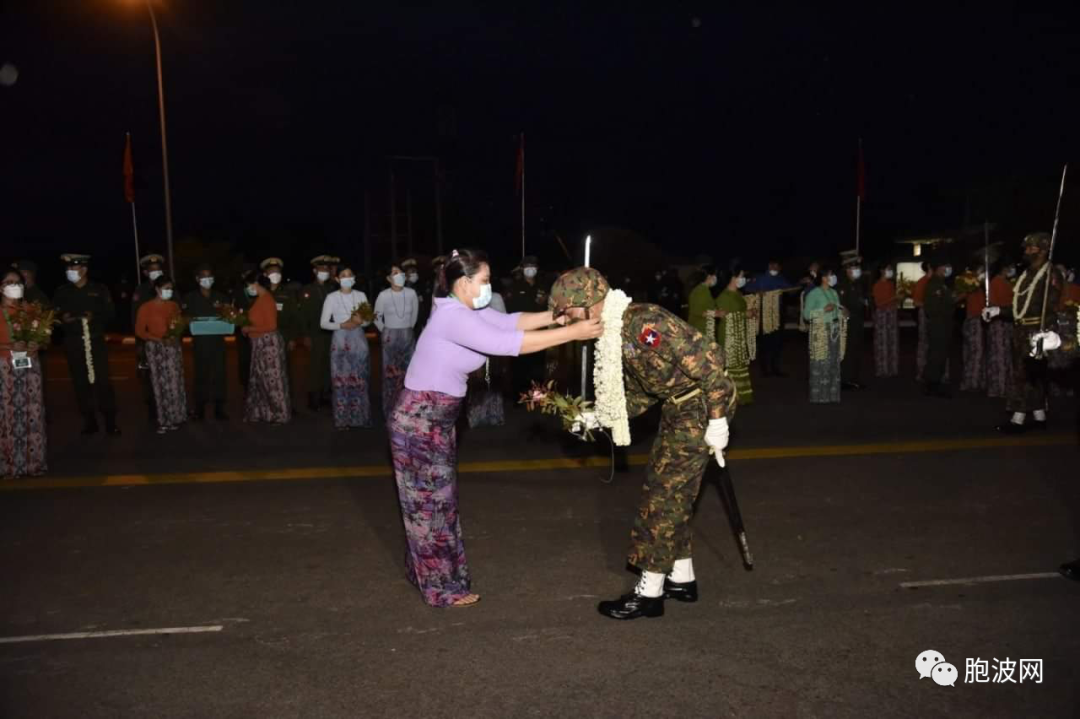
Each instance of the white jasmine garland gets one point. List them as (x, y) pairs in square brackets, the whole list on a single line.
[(770, 312), (737, 351), (753, 307), (1028, 293), (608, 370), (821, 332), (86, 349), (710, 328)]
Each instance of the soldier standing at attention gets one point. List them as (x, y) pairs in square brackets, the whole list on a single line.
[(151, 266), (288, 312), (526, 295), (853, 299), (209, 349), (940, 308), (85, 308), (316, 339), (663, 359)]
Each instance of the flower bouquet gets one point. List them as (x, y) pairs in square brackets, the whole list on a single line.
[(364, 314), (234, 316), (905, 288), (178, 327), (31, 322), (547, 400), (966, 283)]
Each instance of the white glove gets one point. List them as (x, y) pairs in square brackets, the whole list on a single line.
[(1050, 341), (716, 436), (585, 422), (990, 313)]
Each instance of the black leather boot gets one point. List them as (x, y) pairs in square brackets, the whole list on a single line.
[(90, 425), (1071, 570), (200, 413), (632, 606), (110, 425), (680, 591), (219, 412), (313, 401)]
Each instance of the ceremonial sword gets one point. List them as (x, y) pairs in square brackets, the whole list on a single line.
[(1050, 261), (986, 262), (727, 495)]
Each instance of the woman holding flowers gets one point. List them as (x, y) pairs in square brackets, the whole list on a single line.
[(822, 310), (886, 327), (460, 334), (733, 330), (159, 324), (268, 398), (346, 312), (25, 326), (396, 311)]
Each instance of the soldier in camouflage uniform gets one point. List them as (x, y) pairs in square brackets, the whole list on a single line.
[(664, 360), (1027, 386)]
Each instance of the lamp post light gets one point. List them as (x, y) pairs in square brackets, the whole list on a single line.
[(164, 142)]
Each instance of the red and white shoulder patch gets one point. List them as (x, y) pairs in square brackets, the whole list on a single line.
[(650, 337)]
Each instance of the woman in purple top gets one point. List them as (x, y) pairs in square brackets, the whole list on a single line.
[(457, 339)]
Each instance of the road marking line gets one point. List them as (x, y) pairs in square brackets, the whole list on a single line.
[(980, 580), (111, 633), (525, 465)]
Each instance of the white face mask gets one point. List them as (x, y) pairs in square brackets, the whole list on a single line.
[(740, 282), (888, 274), (274, 277), (413, 278), (774, 273), (166, 294), (1071, 277), (251, 291), (529, 272), (832, 280), (856, 273), (73, 275), (347, 283), (154, 274), (946, 272), (206, 282), (484, 299), (398, 280), (1011, 272), (710, 281), (322, 276), (14, 292)]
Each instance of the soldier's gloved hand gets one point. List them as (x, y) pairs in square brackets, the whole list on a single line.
[(1050, 341), (589, 420), (716, 436), (990, 313)]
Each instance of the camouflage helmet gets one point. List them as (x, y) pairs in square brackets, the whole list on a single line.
[(1038, 239), (581, 287)]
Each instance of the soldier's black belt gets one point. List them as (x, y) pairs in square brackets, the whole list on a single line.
[(680, 399)]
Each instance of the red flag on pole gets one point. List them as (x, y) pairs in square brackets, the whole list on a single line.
[(519, 175), (861, 176), (129, 172)]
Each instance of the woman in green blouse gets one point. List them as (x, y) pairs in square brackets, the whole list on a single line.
[(732, 331), (822, 310), (702, 302)]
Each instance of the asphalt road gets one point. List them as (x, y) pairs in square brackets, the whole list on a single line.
[(301, 576)]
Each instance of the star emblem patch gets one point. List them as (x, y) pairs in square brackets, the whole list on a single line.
[(650, 338)]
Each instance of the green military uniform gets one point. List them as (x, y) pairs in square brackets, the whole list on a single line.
[(72, 304), (312, 298), (664, 360), (940, 309), (853, 299), (209, 349), (289, 321), (524, 296)]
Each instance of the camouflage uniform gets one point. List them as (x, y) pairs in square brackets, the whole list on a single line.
[(664, 360)]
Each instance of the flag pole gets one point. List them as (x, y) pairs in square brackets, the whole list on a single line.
[(860, 185), (135, 230), (129, 195), (523, 195), (858, 221)]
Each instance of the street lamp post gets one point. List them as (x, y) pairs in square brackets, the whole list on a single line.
[(164, 143)]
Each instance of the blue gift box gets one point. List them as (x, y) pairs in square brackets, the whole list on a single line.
[(210, 326)]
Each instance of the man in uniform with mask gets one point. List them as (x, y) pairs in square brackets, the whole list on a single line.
[(316, 339), (85, 309), (1027, 389), (526, 295), (205, 301), (853, 298), (939, 306), (151, 266), (289, 320), (665, 360)]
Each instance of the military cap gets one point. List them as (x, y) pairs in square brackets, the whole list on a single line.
[(333, 259), (270, 261), (849, 258), (406, 264), (73, 259), (529, 261), (580, 287), (322, 260), (150, 259), (1038, 239), (25, 266), (438, 261)]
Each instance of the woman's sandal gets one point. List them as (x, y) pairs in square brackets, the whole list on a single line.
[(467, 601)]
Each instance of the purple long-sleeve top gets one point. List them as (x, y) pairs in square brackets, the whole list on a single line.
[(456, 341)]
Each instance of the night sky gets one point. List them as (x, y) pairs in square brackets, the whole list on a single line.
[(702, 128)]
